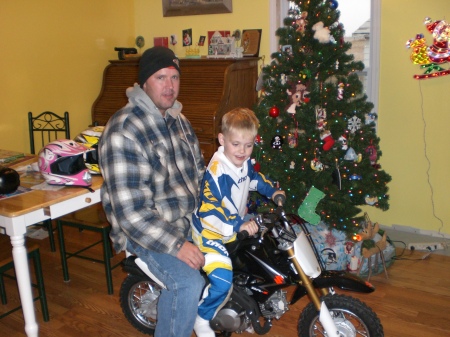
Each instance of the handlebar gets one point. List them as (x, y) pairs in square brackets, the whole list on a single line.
[(242, 235), (279, 199)]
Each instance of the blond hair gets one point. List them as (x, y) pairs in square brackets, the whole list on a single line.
[(240, 120)]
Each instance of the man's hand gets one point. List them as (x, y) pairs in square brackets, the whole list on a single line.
[(191, 255)]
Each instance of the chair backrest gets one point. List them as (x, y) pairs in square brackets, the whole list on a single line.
[(49, 126)]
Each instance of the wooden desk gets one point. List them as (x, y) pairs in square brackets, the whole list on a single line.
[(20, 211)]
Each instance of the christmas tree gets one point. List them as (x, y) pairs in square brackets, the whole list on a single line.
[(317, 128)]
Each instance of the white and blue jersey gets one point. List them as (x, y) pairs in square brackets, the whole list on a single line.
[(223, 205), (224, 196)]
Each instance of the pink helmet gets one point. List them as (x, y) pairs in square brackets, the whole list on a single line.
[(61, 163)]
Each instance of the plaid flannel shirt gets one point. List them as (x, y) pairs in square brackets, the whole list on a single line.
[(152, 169)]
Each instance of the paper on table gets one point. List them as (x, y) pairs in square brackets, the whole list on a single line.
[(20, 190)]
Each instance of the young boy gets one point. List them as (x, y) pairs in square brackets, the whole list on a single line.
[(223, 204)]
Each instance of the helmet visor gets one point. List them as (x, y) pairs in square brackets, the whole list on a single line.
[(68, 165), (91, 156)]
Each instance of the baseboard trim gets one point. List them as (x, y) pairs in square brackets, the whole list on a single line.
[(410, 229)]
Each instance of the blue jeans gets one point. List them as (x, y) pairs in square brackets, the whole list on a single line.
[(178, 304)]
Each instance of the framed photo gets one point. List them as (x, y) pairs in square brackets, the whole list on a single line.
[(201, 40), (251, 39), (287, 48), (195, 7), (187, 37)]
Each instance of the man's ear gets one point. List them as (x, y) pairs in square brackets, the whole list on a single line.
[(221, 138)]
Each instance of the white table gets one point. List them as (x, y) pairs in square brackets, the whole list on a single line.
[(18, 212)]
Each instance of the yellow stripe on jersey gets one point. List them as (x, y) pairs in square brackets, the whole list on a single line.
[(215, 265)]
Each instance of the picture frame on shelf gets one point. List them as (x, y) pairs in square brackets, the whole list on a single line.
[(250, 42), (187, 37), (195, 7)]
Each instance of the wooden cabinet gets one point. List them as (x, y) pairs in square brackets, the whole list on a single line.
[(209, 88)]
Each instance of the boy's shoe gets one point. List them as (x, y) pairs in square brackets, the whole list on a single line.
[(202, 328)]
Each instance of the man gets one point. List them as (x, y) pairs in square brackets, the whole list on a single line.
[(152, 166)]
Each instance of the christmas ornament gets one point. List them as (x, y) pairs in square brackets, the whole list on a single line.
[(333, 4), (328, 141), (340, 94), (274, 112), (351, 155), (293, 137), (277, 142), (258, 140), (297, 94), (322, 33), (372, 153), (256, 165), (321, 118), (316, 165), (354, 124), (371, 118), (370, 200), (292, 165), (292, 140), (355, 176), (301, 22), (343, 140), (307, 209)]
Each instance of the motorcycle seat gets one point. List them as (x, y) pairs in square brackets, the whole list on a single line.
[(143, 266)]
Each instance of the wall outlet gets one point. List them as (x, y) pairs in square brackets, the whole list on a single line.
[(429, 246)]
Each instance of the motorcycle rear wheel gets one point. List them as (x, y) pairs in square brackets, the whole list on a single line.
[(352, 318), (139, 300)]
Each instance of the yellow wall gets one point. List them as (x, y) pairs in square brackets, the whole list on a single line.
[(413, 122), (247, 14), (55, 52), (53, 56)]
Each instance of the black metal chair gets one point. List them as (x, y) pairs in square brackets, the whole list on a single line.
[(49, 126), (92, 218), (7, 264), (43, 129)]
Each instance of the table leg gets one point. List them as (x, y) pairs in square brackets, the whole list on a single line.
[(24, 283)]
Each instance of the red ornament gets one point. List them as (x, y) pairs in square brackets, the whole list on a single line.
[(258, 139), (257, 167), (274, 112)]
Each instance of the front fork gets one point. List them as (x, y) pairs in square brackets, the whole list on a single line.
[(324, 314)]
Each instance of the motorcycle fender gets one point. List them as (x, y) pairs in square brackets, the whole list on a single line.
[(342, 280), (305, 256)]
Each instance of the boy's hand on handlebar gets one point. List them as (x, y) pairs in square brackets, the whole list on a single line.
[(279, 197), (250, 226)]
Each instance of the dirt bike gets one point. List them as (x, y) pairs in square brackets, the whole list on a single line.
[(263, 266)]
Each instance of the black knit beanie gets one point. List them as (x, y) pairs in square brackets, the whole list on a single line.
[(154, 59)]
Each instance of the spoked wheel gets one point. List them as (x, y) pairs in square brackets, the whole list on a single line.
[(352, 318), (139, 297)]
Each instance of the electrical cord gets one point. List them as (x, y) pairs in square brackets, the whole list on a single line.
[(399, 257), (428, 160)]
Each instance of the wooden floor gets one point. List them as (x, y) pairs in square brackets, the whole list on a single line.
[(414, 301)]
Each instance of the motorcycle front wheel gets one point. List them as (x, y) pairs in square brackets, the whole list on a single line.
[(352, 318), (139, 300)]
